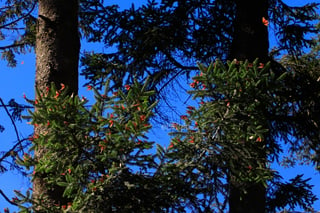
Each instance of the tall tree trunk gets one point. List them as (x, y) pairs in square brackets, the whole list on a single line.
[(57, 57), (57, 44), (250, 42)]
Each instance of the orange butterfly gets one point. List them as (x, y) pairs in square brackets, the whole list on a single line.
[(265, 21)]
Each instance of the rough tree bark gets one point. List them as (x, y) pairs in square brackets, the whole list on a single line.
[(250, 33), (250, 42), (57, 57)]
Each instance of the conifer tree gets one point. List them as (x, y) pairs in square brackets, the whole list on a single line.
[(177, 33), (103, 163), (163, 41), (305, 75), (223, 136), (166, 38), (57, 53), (250, 41)]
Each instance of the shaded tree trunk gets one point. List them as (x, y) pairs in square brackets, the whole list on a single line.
[(250, 42), (57, 44), (57, 56)]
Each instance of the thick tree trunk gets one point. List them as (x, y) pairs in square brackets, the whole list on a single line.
[(250, 42), (57, 44), (57, 56), (250, 39)]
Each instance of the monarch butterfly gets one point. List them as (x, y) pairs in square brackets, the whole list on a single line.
[(265, 21)]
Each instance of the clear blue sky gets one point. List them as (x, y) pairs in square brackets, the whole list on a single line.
[(20, 80)]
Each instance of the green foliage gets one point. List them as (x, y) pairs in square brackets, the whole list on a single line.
[(303, 90), (100, 155), (296, 192), (229, 138), (17, 27), (227, 135), (164, 39), (293, 24), (156, 38), (102, 158)]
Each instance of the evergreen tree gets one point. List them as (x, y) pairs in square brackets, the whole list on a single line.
[(163, 41), (305, 75), (103, 162), (223, 137), (166, 39), (57, 56), (250, 41)]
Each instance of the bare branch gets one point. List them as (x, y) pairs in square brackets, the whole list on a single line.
[(7, 199), (13, 123), (22, 106), (8, 153), (12, 45)]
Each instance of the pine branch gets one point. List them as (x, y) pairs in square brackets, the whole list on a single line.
[(20, 18)]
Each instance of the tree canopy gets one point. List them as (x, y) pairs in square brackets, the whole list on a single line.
[(98, 157), (166, 39)]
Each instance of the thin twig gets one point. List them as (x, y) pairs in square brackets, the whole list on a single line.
[(21, 105), (13, 45), (12, 122), (8, 153), (7, 199)]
